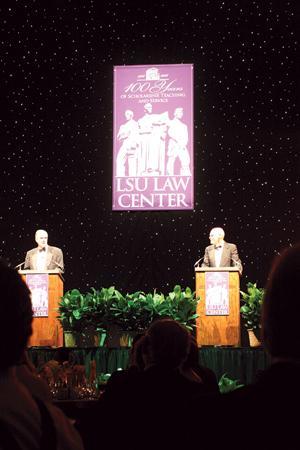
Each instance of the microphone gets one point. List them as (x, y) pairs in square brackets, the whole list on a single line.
[(58, 266), (198, 261), (19, 265)]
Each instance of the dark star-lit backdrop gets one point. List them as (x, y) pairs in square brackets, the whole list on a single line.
[(57, 63)]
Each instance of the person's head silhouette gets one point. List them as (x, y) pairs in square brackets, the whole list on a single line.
[(166, 343), (15, 317), (280, 319)]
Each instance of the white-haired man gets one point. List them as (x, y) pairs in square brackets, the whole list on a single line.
[(44, 256), (221, 253)]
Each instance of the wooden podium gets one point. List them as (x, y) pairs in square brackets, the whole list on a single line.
[(218, 329), (47, 331)]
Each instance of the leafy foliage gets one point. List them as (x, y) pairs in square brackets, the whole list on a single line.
[(79, 311), (182, 306), (251, 310), (132, 312), (227, 384), (73, 311)]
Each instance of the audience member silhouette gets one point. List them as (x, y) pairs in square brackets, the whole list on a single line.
[(28, 375), (194, 371), (26, 421), (153, 408), (264, 414), (120, 379), (136, 356)]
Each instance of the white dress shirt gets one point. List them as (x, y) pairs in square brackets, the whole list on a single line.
[(218, 255), (41, 260)]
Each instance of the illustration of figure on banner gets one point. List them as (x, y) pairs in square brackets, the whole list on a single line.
[(217, 296), (127, 157), (153, 133), (39, 299), (143, 145), (177, 145)]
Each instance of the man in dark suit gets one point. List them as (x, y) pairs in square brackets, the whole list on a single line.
[(44, 256), (221, 253)]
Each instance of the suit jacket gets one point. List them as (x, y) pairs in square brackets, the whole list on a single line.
[(54, 259), (229, 257)]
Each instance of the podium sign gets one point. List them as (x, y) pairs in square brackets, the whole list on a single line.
[(217, 294), (46, 329), (219, 306), (38, 285)]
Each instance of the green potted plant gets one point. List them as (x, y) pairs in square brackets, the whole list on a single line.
[(76, 317), (160, 307), (182, 306), (132, 313), (96, 312), (251, 311), (67, 310), (102, 301)]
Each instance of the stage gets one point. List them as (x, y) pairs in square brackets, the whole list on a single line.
[(239, 363)]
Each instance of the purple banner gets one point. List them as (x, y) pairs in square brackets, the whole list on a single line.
[(153, 137), (217, 294), (38, 285)]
